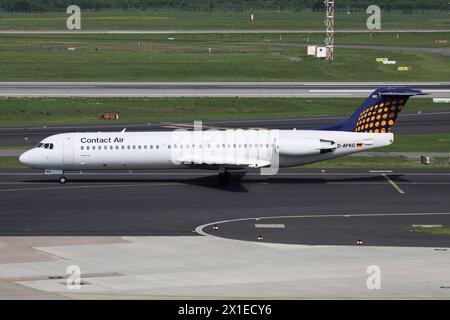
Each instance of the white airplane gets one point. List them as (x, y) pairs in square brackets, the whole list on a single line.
[(223, 150)]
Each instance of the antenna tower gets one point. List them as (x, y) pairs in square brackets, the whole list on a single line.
[(329, 29)]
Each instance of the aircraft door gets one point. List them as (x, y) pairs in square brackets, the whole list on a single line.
[(68, 151)]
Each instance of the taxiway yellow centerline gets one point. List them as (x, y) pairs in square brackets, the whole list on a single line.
[(393, 184)]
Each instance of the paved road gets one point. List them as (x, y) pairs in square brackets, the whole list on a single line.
[(373, 229), (442, 51), (209, 89), (174, 203), (408, 123), (218, 31)]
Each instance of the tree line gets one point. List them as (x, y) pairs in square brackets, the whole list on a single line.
[(220, 5)]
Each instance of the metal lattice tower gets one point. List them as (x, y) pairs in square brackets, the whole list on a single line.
[(329, 29)]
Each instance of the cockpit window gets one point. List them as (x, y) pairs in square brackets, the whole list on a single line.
[(45, 145)]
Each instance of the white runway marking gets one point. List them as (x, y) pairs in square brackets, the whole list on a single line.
[(382, 183), (270, 225), (200, 229), (247, 174), (157, 95), (340, 90), (95, 186), (144, 183), (216, 31), (424, 114)]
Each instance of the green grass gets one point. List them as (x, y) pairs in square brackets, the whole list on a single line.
[(377, 163), (219, 20), (200, 40), (10, 162), (52, 111), (444, 230), (14, 147), (420, 143), (120, 58)]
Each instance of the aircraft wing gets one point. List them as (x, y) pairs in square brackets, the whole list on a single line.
[(224, 161)]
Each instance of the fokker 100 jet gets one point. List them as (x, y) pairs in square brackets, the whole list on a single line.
[(223, 150)]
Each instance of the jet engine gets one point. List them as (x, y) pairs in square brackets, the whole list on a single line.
[(295, 147)]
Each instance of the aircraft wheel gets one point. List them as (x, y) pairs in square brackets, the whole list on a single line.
[(224, 177)]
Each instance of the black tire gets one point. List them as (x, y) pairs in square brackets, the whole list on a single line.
[(224, 178), (62, 180)]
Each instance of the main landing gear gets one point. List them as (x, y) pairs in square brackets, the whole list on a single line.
[(224, 177)]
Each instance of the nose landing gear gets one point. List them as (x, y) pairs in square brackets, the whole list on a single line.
[(57, 172)]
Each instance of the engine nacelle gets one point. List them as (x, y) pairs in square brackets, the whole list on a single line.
[(305, 146)]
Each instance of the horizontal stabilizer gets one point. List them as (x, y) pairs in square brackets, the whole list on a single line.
[(401, 92)]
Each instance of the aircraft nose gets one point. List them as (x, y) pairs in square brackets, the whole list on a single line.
[(25, 159)]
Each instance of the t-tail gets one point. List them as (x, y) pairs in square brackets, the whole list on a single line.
[(378, 113)]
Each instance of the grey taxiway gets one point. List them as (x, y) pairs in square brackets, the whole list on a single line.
[(210, 89), (157, 235), (180, 234)]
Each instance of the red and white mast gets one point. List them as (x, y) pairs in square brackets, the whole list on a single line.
[(329, 29)]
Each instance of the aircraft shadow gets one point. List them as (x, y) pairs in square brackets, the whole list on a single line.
[(236, 182)]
